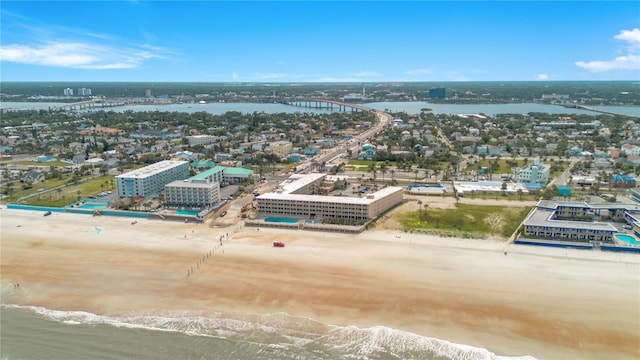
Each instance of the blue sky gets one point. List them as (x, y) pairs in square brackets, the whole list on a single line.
[(323, 41)]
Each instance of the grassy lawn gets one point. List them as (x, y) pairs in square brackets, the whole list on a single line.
[(465, 220), (503, 168), (68, 194), (56, 163)]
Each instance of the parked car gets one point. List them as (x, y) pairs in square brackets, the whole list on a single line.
[(223, 213), (278, 244), (47, 213)]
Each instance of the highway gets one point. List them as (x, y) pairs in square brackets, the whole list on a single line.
[(384, 119)]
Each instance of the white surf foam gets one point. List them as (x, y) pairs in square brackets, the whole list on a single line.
[(381, 339), (285, 331)]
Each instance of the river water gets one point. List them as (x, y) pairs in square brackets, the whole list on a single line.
[(414, 107)]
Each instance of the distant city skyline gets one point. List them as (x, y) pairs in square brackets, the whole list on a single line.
[(323, 41)]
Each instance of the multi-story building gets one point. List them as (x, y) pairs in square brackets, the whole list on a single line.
[(84, 92), (151, 179), (236, 175), (203, 190), (437, 93), (192, 193), (294, 199), (281, 148), (578, 222), (201, 139), (68, 92), (212, 175), (535, 172)]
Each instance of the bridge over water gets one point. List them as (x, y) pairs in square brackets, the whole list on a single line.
[(319, 103), (578, 106), (88, 104)]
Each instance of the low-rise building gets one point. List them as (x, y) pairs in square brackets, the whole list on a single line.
[(293, 199), (576, 222), (535, 172)]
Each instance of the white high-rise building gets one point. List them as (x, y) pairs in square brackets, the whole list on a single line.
[(84, 92), (68, 92), (151, 179)]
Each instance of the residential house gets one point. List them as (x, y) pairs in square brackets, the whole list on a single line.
[(32, 177)]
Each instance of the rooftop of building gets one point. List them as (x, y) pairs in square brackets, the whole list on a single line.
[(152, 169), (543, 217), (364, 200), (192, 184), (207, 173), (237, 171)]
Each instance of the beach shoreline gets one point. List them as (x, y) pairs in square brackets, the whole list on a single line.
[(511, 299)]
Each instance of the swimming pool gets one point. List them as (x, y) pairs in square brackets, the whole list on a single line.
[(188, 212), (627, 239), (281, 220), (92, 206)]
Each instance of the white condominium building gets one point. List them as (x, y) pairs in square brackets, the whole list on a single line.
[(151, 179), (201, 139), (192, 193)]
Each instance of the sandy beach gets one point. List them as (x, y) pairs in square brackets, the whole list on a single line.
[(548, 303)]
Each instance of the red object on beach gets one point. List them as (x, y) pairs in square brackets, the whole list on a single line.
[(278, 244)]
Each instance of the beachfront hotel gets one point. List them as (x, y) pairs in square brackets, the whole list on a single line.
[(192, 193), (151, 179), (294, 198), (203, 190), (578, 222)]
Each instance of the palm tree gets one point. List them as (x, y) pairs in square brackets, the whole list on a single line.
[(392, 173), (59, 190), (426, 206), (419, 207), (373, 169), (415, 179), (9, 188), (383, 169)]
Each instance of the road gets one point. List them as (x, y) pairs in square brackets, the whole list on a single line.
[(384, 119)]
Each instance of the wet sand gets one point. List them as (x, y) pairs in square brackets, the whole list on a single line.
[(549, 303)]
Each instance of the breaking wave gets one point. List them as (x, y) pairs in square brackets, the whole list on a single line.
[(284, 336)]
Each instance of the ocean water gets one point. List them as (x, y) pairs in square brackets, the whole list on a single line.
[(38, 333)]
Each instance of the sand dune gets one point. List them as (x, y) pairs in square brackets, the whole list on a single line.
[(548, 303)]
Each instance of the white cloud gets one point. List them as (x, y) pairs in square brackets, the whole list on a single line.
[(629, 61), (630, 36), (542, 77), (79, 55)]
